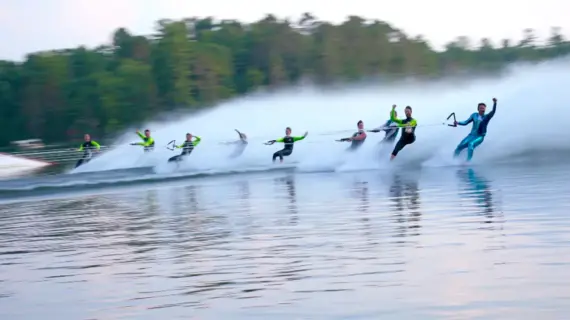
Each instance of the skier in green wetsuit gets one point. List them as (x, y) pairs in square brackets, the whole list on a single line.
[(148, 141), (288, 142), (87, 148), (408, 133), (187, 147)]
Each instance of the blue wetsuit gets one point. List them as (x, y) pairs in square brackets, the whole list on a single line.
[(477, 134)]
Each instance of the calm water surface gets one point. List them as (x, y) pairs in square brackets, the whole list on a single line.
[(482, 243)]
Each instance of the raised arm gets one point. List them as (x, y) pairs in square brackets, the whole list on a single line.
[(197, 140), (393, 117), (302, 137), (492, 113)]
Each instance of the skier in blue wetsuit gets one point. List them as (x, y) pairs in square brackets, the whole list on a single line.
[(478, 131)]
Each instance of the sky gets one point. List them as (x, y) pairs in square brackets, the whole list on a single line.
[(36, 25)]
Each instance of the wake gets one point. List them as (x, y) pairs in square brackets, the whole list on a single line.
[(521, 127)]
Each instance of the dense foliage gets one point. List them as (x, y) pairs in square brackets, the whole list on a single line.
[(58, 95)]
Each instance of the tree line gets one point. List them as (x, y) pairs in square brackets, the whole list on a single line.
[(194, 63)]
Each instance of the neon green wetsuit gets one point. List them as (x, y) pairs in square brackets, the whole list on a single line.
[(288, 141), (87, 148), (187, 148), (408, 133), (148, 142)]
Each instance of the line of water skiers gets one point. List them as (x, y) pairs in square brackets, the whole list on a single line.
[(390, 127)]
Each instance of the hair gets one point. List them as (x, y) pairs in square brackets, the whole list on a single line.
[(146, 130), (481, 104), (188, 133), (288, 128), (408, 107), (359, 122)]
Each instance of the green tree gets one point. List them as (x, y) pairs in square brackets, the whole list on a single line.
[(197, 62)]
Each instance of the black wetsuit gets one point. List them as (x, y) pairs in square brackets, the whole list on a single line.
[(148, 142), (187, 148), (356, 143), (287, 150), (87, 148), (408, 135)]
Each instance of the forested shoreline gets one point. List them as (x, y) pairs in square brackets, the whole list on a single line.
[(194, 63)]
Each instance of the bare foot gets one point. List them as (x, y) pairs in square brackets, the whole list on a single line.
[(392, 157)]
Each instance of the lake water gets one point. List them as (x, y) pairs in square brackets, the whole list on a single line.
[(443, 243)]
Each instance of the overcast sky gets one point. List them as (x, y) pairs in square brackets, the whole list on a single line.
[(34, 25)]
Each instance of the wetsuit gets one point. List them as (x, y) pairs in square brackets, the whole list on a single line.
[(477, 134), (87, 148), (187, 148), (148, 143), (356, 143), (391, 130), (408, 134), (288, 141)]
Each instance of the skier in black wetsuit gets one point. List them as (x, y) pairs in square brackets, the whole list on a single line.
[(148, 141), (409, 129), (187, 147), (288, 141), (357, 138), (87, 147)]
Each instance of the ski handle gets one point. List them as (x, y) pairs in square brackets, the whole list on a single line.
[(173, 143), (454, 120)]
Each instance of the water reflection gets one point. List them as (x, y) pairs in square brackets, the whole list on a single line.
[(478, 188), (226, 249), (405, 197), (291, 194), (360, 190)]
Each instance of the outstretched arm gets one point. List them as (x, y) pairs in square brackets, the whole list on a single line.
[(145, 144), (466, 122), (301, 137), (148, 143)]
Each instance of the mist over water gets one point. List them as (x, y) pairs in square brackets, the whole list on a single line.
[(522, 124)]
